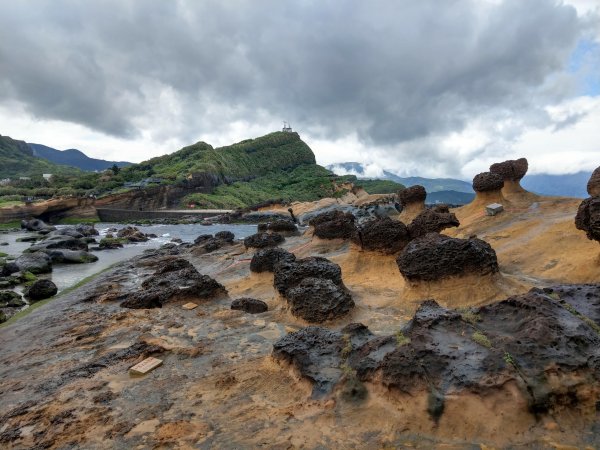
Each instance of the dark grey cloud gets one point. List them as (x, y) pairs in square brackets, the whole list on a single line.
[(391, 71)]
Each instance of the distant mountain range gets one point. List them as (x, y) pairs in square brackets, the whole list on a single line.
[(73, 157), (450, 190)]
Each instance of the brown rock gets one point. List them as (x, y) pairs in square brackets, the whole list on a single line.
[(413, 194), (593, 186), (511, 170), (588, 218), (383, 235), (333, 225), (487, 181), (432, 221)]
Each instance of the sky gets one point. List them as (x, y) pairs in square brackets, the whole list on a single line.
[(429, 88)]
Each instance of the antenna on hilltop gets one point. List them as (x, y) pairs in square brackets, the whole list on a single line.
[(286, 127)]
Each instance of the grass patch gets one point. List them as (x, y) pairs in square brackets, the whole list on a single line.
[(3, 255), (10, 225), (470, 317), (36, 305), (401, 339), (10, 204), (509, 360), (481, 339)]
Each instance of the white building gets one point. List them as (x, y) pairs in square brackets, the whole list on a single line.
[(47, 176)]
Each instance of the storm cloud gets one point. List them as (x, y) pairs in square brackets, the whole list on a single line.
[(400, 76)]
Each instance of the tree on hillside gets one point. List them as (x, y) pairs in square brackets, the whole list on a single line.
[(115, 169)]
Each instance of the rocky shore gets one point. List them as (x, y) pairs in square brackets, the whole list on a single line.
[(448, 328)]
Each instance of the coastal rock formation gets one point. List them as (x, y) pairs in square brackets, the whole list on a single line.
[(226, 236), (206, 243), (593, 186), (487, 182), (263, 240), (432, 221), (41, 290), (384, 235), (249, 305), (511, 170), (285, 227), (71, 256), (37, 225), (412, 201), (290, 274), (174, 279), (317, 300), (132, 234), (59, 242), (334, 224), (265, 260), (11, 299), (435, 256), (36, 263)]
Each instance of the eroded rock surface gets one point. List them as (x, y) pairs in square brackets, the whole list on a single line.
[(432, 221), (40, 290), (265, 260), (263, 240), (317, 300), (593, 185), (588, 218), (37, 225), (132, 234), (435, 256), (383, 235), (249, 305), (333, 224), (413, 194), (284, 226), (36, 263), (290, 274), (487, 182), (511, 170)]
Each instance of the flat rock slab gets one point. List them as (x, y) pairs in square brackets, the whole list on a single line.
[(145, 366), (189, 306)]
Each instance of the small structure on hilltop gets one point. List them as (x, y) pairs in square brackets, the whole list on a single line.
[(287, 128)]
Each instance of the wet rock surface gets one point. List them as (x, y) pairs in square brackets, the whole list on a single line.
[(283, 226), (207, 243), (263, 240), (249, 305), (11, 299), (435, 256), (132, 234), (40, 290), (432, 221), (290, 274), (265, 260), (37, 225), (588, 218), (487, 182), (36, 263), (317, 300), (335, 224), (383, 235), (412, 194), (511, 170)]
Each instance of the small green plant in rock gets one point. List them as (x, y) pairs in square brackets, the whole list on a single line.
[(509, 360), (347, 347), (470, 317), (481, 339), (401, 339)]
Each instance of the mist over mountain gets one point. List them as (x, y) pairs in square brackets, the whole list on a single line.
[(73, 157)]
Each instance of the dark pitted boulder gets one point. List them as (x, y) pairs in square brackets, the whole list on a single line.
[(588, 218), (487, 182), (511, 170), (59, 242), (37, 225), (432, 221), (435, 256), (384, 235), (11, 299), (413, 194), (226, 236), (249, 305), (593, 186), (71, 256), (265, 260), (333, 224), (36, 263), (317, 300), (132, 234), (8, 269), (202, 238), (263, 240), (174, 279), (87, 230), (41, 290), (286, 226), (290, 274)]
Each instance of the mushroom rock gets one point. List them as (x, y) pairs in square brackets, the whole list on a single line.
[(333, 224), (593, 186), (382, 235), (488, 188), (285, 227), (318, 299), (412, 200), (290, 274), (511, 171), (588, 218), (265, 260), (432, 221), (434, 257), (263, 240)]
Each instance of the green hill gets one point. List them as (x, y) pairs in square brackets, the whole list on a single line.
[(17, 160)]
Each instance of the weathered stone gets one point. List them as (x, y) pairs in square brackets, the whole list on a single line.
[(263, 240), (333, 224), (487, 182), (226, 236), (37, 225), (41, 290), (412, 194), (588, 218), (36, 263), (511, 170), (290, 274), (317, 300), (249, 305), (384, 235), (432, 221), (11, 299), (59, 242), (286, 226), (71, 256), (132, 234), (593, 185), (265, 260), (435, 256)]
